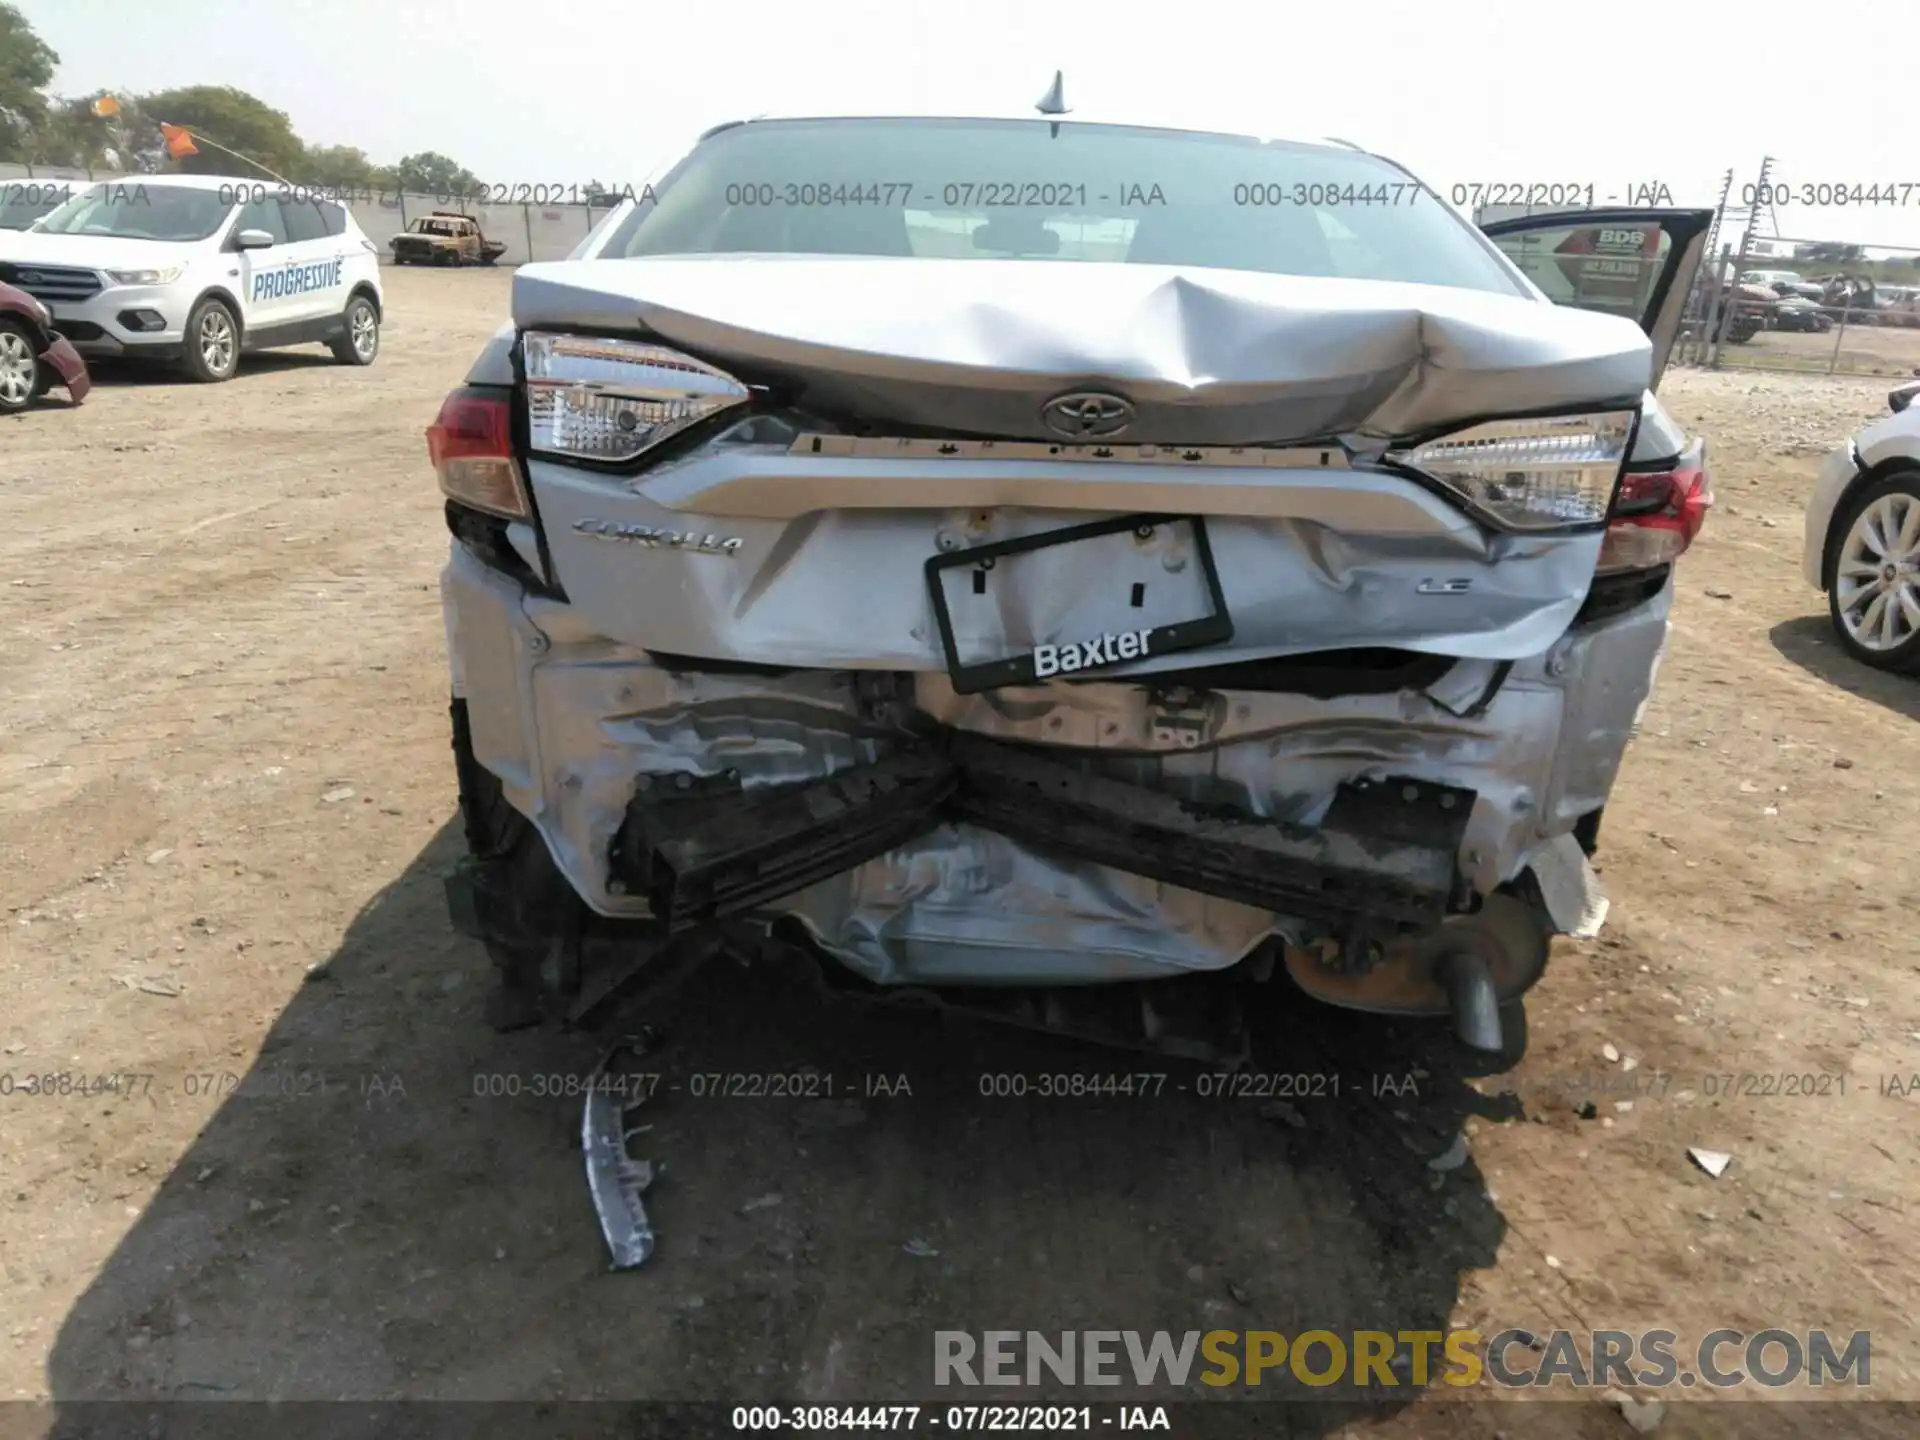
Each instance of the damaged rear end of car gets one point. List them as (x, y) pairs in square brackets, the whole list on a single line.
[(1136, 582)]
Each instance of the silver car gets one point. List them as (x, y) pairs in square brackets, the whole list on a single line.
[(1014, 556)]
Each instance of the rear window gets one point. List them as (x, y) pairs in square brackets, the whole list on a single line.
[(1018, 189)]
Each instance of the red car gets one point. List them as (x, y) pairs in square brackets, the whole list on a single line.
[(33, 357)]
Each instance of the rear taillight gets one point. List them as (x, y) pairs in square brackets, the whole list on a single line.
[(593, 398), (1656, 514), (471, 446), (1539, 473)]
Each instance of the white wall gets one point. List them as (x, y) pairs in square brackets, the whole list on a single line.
[(531, 232)]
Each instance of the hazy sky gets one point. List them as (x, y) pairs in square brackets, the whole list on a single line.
[(567, 91)]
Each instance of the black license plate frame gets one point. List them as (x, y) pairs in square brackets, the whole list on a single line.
[(1021, 669)]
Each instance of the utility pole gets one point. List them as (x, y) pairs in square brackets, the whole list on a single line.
[(1761, 191), (1705, 309)]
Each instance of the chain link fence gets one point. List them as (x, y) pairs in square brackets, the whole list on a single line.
[(530, 232), (1816, 307)]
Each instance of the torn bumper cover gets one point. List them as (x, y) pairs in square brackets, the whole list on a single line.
[(939, 866)]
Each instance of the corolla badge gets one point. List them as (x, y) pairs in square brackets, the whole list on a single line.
[(1085, 414), (654, 538)]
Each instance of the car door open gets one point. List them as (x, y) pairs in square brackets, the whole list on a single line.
[(1620, 261)]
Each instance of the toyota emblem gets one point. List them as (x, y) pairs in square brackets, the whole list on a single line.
[(1085, 414)]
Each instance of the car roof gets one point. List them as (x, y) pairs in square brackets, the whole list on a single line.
[(1103, 120)]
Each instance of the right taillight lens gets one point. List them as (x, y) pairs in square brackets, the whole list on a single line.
[(1656, 514), (471, 445)]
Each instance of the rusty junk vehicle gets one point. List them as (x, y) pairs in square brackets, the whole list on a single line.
[(446, 237), (34, 357)]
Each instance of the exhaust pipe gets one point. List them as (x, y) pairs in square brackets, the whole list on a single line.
[(1474, 1001)]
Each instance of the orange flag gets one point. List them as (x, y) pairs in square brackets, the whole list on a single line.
[(106, 105), (179, 142)]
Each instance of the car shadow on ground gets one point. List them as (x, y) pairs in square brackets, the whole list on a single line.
[(1810, 643), (113, 372), (390, 1202)]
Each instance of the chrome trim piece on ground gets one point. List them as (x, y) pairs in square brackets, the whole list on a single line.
[(615, 1179)]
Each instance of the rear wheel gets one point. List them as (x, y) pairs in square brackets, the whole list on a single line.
[(213, 343), (521, 901), (19, 368), (1874, 598), (360, 341)]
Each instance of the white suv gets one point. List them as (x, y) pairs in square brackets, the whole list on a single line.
[(200, 268)]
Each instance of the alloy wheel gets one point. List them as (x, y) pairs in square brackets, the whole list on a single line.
[(365, 332), (216, 341), (18, 368), (1877, 578)]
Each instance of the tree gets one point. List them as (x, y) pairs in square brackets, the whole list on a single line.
[(344, 167), (233, 119), (26, 65), (71, 134), (430, 173)]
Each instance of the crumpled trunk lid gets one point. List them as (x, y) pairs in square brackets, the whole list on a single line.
[(814, 552), (1208, 357)]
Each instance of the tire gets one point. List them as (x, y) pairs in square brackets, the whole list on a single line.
[(521, 900), (19, 368), (361, 341), (1866, 536), (207, 360)]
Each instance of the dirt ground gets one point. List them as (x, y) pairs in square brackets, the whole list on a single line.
[(220, 617), (1880, 351)]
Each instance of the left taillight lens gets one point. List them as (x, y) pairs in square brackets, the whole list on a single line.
[(471, 445), (1544, 473), (611, 400), (1657, 514)]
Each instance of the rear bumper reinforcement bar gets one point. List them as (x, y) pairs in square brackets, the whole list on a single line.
[(1385, 851), (1383, 858), (704, 857)]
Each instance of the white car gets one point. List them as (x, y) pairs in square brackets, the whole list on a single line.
[(1863, 538), (200, 269)]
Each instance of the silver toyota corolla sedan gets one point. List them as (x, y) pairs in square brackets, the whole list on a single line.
[(1029, 555)]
